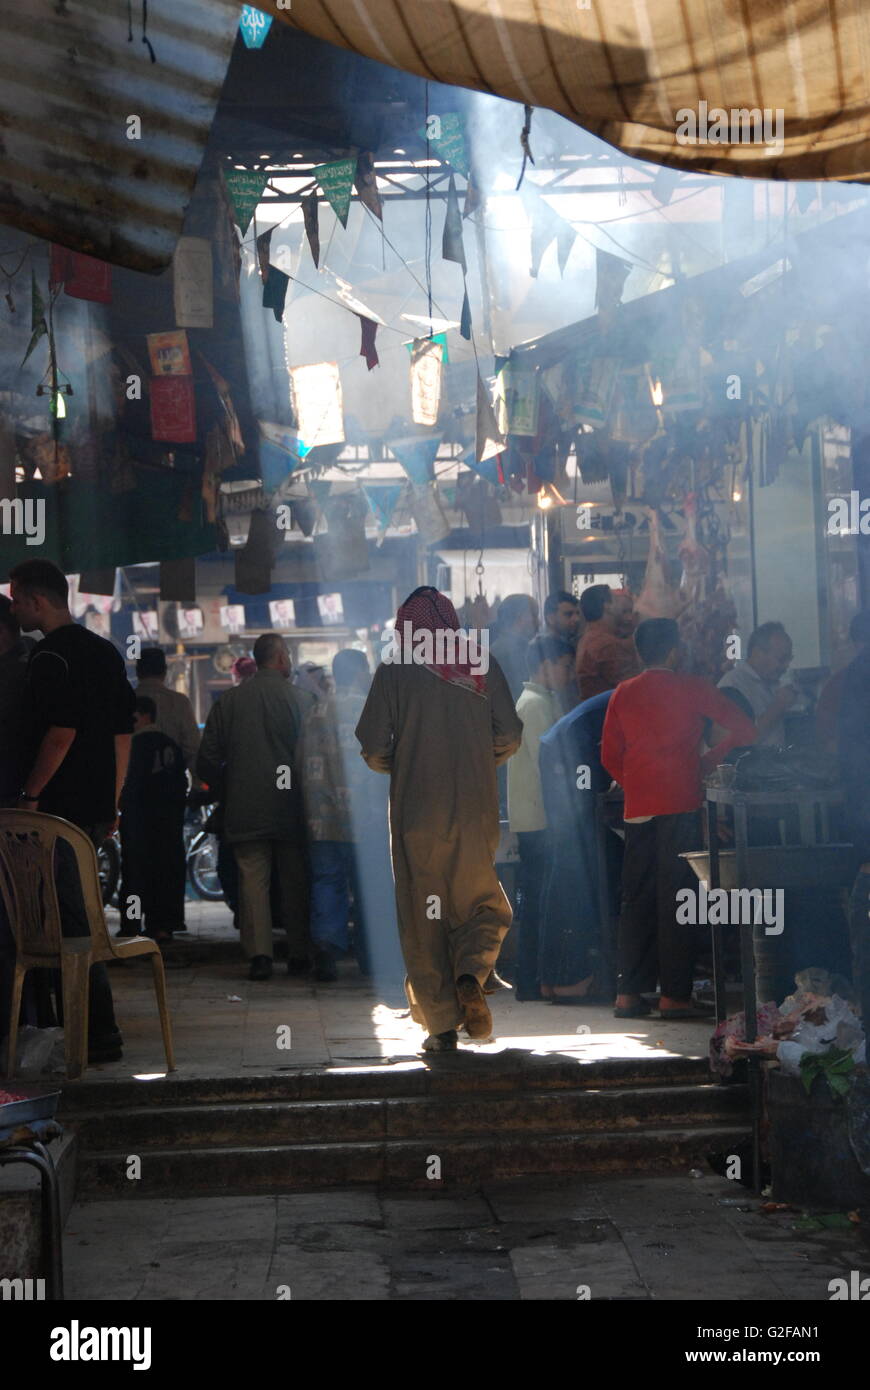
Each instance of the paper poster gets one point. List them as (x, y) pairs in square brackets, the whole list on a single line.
[(192, 283), (169, 353), (173, 409), (282, 612), (336, 181), (317, 401), (331, 609), (100, 623), (245, 187), (232, 617), (593, 390), (518, 399), (425, 381), (190, 622), (146, 625)]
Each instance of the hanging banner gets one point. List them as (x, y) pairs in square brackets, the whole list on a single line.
[(173, 409), (417, 456), (518, 400), (489, 440), (264, 247), (193, 283), (311, 218), (83, 277), (367, 344), (452, 248), (446, 135), (367, 185), (254, 26), (436, 338), (317, 401), (426, 362), (275, 292), (169, 353), (336, 181), (593, 390), (245, 187), (611, 275), (429, 516)]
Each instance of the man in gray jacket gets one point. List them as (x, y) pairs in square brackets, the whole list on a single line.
[(251, 747)]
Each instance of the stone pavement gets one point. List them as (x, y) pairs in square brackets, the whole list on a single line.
[(225, 1025), (669, 1237)]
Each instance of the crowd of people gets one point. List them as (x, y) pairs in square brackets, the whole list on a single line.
[(401, 867)]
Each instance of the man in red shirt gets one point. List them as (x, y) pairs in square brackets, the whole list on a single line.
[(606, 653), (651, 746)]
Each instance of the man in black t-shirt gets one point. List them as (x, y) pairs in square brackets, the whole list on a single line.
[(81, 723)]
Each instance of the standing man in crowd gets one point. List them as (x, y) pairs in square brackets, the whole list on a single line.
[(754, 684), (517, 623), (651, 746), (551, 663), (250, 746), (152, 820), (176, 720), (15, 653), (439, 729), (81, 710), (606, 652), (562, 617)]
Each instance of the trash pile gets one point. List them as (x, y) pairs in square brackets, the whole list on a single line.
[(818, 1020)]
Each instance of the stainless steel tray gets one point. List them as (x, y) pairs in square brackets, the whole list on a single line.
[(27, 1107)]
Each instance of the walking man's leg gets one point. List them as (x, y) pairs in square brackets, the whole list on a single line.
[(638, 936), (677, 942), (254, 858)]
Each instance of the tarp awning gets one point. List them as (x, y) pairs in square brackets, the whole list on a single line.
[(624, 69)]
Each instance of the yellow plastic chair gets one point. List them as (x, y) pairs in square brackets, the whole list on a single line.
[(27, 844)]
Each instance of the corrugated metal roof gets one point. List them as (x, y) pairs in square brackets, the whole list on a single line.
[(69, 79)]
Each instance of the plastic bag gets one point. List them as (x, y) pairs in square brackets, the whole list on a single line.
[(39, 1052)]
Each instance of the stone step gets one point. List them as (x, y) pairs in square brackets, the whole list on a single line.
[(263, 1123), (451, 1074), (401, 1163)]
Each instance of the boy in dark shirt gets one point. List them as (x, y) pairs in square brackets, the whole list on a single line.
[(152, 820)]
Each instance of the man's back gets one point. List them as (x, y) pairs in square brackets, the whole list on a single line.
[(603, 660), (255, 729), (175, 716), (76, 680)]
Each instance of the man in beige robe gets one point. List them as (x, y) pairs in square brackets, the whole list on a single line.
[(440, 730)]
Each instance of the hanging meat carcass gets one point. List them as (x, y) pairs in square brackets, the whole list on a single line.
[(658, 597), (695, 559)]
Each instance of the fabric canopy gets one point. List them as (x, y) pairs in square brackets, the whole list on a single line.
[(624, 69)]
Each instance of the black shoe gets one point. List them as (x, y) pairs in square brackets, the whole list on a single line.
[(109, 1048), (261, 968), (298, 965), (324, 966)]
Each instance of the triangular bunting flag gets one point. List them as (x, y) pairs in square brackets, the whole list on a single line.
[(275, 292), (447, 136), (245, 187), (417, 456), (382, 501), (367, 185), (548, 226), (264, 243), (367, 344), (37, 316), (489, 469), (472, 197), (489, 440), (452, 248), (320, 490), (465, 324), (336, 181), (311, 218)]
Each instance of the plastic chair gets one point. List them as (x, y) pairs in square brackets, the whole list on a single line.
[(27, 845)]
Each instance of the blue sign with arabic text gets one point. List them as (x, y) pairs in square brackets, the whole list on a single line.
[(254, 26)]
